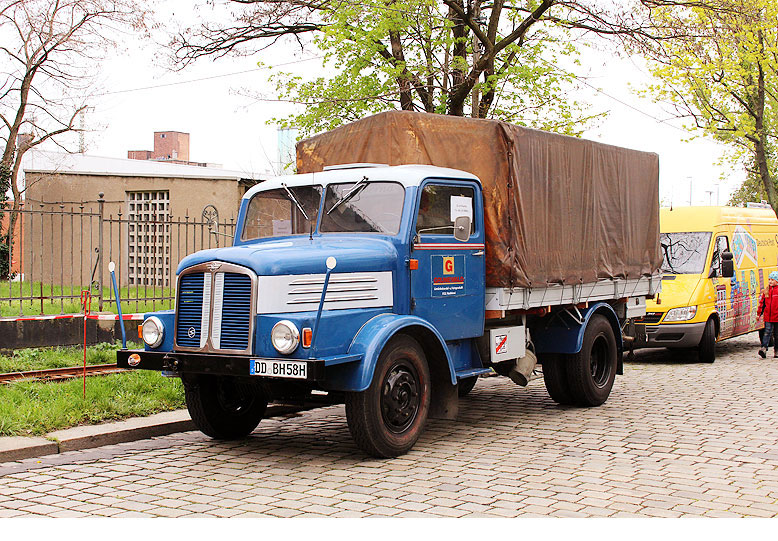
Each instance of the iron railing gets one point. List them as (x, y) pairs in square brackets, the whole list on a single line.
[(61, 250)]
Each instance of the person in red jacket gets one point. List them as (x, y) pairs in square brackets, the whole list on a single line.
[(768, 305)]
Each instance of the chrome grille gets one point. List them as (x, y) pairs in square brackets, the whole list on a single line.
[(650, 318), (216, 300), (189, 310), (236, 311)]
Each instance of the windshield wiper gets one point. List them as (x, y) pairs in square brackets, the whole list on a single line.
[(294, 200), (355, 189)]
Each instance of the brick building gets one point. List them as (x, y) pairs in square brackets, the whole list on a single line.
[(169, 146)]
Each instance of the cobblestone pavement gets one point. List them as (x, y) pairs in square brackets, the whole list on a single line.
[(676, 438)]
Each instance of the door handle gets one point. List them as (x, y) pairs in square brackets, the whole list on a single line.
[(479, 252)]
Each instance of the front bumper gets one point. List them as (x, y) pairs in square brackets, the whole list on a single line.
[(178, 362), (677, 335)]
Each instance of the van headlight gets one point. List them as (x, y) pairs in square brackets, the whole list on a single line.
[(153, 332), (684, 313), (285, 337)]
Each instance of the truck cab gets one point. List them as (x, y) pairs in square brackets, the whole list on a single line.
[(361, 279)]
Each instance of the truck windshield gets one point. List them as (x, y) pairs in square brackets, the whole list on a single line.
[(684, 253), (373, 207), (281, 212)]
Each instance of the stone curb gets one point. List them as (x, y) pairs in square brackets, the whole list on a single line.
[(13, 448)]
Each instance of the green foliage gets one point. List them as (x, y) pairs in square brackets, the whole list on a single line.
[(357, 42), (22, 360), (719, 72), (752, 190), (132, 299), (35, 408)]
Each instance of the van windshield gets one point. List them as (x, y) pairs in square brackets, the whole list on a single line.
[(684, 253)]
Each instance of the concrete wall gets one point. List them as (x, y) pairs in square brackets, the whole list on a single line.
[(59, 248)]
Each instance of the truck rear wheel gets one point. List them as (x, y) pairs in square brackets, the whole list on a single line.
[(224, 407), (386, 419), (707, 348), (591, 371), (555, 378)]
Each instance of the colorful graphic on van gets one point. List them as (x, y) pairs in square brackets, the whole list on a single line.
[(753, 294), (721, 308), (743, 245)]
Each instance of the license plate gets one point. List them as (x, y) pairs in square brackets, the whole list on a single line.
[(279, 369)]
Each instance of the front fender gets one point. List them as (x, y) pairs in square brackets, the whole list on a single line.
[(560, 333), (369, 342)]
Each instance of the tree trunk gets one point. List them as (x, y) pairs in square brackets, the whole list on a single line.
[(459, 54), (403, 82), (760, 143)]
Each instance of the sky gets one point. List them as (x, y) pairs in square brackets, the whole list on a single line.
[(140, 95)]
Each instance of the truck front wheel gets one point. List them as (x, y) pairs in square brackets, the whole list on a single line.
[(591, 371), (386, 419), (224, 407)]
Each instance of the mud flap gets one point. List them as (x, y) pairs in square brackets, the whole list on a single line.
[(445, 401)]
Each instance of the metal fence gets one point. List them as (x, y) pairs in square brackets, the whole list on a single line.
[(62, 250)]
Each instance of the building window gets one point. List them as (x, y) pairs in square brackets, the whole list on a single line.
[(148, 212)]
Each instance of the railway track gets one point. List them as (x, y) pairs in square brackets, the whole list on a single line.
[(61, 373)]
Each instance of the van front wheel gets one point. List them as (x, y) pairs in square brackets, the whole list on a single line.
[(707, 347)]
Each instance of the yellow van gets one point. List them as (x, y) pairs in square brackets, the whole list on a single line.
[(716, 263)]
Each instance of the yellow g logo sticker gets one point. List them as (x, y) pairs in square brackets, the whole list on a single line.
[(448, 265)]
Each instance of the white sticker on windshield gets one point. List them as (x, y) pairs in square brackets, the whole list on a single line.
[(461, 206), (282, 227)]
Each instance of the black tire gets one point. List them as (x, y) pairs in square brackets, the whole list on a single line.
[(466, 385), (224, 407), (386, 419), (591, 372), (707, 348), (555, 378)]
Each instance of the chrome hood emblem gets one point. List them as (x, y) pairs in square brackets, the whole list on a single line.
[(213, 266)]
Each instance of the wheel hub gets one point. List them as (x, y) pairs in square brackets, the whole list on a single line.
[(400, 398)]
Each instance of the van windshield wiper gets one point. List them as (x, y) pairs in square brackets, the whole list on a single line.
[(355, 189), (294, 200)]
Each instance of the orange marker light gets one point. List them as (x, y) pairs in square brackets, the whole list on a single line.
[(307, 337), (413, 264), (140, 332)]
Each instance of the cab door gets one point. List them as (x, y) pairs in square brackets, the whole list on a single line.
[(722, 288), (447, 288)]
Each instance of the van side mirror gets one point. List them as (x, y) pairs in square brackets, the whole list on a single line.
[(727, 265), (462, 228)]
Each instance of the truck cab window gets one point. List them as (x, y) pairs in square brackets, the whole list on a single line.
[(275, 213), (367, 207), (440, 205)]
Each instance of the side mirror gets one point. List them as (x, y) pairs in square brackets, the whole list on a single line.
[(727, 265), (462, 228)]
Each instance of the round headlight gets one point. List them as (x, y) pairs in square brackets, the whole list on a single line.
[(153, 331), (285, 337)]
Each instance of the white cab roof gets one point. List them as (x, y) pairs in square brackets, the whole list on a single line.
[(407, 175)]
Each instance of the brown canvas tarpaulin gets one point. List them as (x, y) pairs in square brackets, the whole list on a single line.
[(559, 210)]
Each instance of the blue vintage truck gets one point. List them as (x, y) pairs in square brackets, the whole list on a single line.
[(394, 287)]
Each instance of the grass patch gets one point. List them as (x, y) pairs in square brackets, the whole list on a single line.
[(23, 360), (36, 408), (51, 300)]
